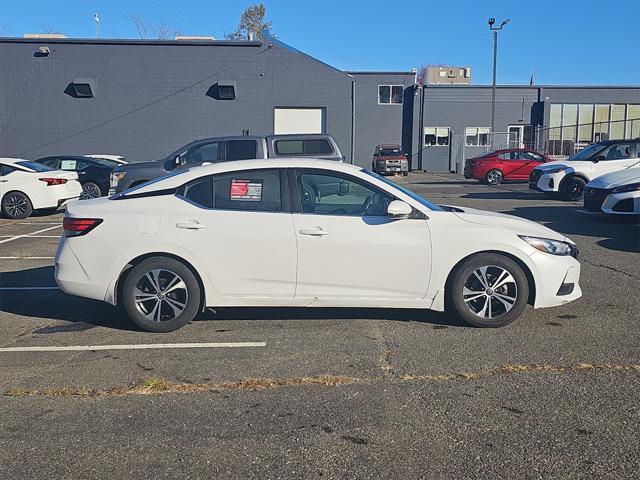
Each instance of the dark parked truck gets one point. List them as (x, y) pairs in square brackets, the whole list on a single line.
[(224, 149), (389, 159)]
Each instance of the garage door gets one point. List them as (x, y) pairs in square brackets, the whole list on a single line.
[(298, 120)]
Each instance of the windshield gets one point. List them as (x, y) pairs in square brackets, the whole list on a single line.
[(36, 167), (415, 196), (588, 152), (387, 152)]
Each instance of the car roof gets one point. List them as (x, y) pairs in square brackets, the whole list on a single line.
[(12, 161), (177, 179)]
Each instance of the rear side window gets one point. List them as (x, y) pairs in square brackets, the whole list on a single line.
[(200, 192), (72, 164), (6, 170), (36, 167), (248, 190), (316, 146), (241, 149)]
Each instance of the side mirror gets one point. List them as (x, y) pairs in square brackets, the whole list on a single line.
[(597, 159), (177, 161), (399, 209)]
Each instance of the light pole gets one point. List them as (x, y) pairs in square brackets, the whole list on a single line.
[(495, 31)]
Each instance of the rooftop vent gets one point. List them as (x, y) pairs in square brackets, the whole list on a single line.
[(44, 35), (195, 37)]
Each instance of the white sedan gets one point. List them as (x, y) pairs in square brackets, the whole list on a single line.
[(27, 186), (616, 193), (303, 232)]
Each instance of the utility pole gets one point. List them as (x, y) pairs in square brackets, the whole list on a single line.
[(495, 31)]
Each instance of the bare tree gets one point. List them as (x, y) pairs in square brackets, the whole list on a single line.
[(146, 29), (4, 30), (421, 75), (46, 28), (251, 22)]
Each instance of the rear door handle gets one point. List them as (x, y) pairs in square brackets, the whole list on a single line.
[(314, 232), (190, 225)]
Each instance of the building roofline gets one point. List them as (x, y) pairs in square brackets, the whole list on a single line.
[(132, 41), (462, 86), (354, 72)]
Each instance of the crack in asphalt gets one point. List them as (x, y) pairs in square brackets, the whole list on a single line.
[(613, 269)]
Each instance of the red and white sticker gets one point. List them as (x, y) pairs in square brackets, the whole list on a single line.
[(246, 190)]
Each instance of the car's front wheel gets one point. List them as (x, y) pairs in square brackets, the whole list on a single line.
[(90, 190), (16, 206), (161, 294), (572, 189), (488, 290)]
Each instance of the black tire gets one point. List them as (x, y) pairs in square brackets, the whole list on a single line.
[(16, 206), (474, 310), (404, 174), (494, 177), (572, 188), (91, 190), (141, 308)]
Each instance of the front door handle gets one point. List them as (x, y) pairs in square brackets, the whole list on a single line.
[(4, 180), (314, 232), (190, 225)]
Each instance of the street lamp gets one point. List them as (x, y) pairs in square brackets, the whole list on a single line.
[(495, 31)]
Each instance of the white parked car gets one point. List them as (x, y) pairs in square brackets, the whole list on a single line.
[(119, 159), (616, 193), (304, 232), (568, 178), (27, 186)]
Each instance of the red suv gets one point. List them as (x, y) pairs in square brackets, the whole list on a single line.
[(500, 165)]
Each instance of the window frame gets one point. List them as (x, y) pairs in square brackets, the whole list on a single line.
[(424, 135), (391, 102), (477, 135), (296, 202), (285, 194)]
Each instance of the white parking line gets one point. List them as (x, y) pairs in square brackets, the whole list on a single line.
[(27, 258), (148, 346), (28, 288), (27, 234)]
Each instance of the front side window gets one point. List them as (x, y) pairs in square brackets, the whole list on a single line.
[(477, 136), (72, 164), (241, 149), (248, 190), (531, 156), (332, 194), (436, 136), (618, 151), (390, 94), (208, 152)]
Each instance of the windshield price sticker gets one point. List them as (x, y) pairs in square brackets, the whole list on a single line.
[(246, 190)]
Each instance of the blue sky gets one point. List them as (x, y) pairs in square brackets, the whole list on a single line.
[(575, 42)]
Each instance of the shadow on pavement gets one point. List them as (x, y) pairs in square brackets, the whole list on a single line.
[(616, 233), (497, 193), (57, 305)]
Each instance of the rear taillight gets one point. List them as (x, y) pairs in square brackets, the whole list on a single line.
[(74, 227), (53, 181)]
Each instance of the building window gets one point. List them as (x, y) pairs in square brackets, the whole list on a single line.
[(390, 94), (436, 136), (477, 136)]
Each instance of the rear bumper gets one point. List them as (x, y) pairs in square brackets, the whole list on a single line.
[(72, 278)]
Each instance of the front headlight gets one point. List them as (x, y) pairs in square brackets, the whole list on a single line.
[(115, 177), (632, 187), (554, 247), (553, 170)]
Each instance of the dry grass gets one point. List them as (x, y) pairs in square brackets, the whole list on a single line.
[(153, 385)]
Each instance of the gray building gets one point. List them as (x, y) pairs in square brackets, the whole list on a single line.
[(142, 99)]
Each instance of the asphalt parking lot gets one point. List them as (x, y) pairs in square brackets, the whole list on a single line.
[(294, 393)]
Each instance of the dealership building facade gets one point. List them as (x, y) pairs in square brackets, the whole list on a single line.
[(144, 98)]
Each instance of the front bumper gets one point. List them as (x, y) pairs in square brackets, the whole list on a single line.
[(627, 203), (392, 166), (546, 182), (554, 277)]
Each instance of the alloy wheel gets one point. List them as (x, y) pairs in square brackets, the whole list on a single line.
[(160, 295), (490, 292), (90, 190), (15, 205), (494, 177), (575, 190)]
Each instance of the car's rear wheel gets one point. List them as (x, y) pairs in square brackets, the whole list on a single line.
[(16, 206), (488, 290), (90, 190), (572, 188), (494, 177), (161, 294)]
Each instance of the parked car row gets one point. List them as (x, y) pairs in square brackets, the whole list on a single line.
[(605, 175)]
